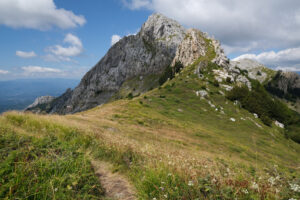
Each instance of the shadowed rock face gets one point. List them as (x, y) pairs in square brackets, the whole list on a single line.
[(285, 85), (148, 52)]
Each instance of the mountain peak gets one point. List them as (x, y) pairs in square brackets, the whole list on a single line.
[(162, 30)]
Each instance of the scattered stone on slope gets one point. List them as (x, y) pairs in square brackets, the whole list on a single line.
[(222, 74), (226, 87), (202, 93), (232, 119), (280, 125)]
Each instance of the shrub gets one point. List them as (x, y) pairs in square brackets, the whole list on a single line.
[(259, 101), (216, 83), (178, 67), (258, 73), (168, 74), (130, 96), (228, 80), (266, 120)]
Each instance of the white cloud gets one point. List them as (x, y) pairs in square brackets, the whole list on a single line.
[(287, 59), (63, 53), (243, 26), (137, 4), (3, 72), (38, 69), (24, 54), (115, 39), (37, 14), (293, 69)]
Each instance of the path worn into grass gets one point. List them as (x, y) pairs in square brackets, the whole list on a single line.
[(116, 186)]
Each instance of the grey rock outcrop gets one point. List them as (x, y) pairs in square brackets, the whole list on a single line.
[(39, 103), (191, 48), (255, 70), (147, 53), (41, 100), (220, 58), (285, 85)]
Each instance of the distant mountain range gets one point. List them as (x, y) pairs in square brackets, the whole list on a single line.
[(18, 94)]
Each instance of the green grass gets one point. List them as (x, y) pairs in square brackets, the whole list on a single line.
[(50, 166), (168, 142)]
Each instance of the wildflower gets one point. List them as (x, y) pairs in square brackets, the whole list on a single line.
[(272, 181), (154, 198), (190, 183), (55, 189), (292, 199), (245, 191), (166, 196), (69, 187), (255, 186), (162, 188), (169, 174), (295, 187), (162, 182), (228, 170)]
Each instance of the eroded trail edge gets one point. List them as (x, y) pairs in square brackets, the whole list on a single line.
[(116, 186)]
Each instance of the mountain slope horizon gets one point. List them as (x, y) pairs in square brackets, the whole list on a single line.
[(173, 114)]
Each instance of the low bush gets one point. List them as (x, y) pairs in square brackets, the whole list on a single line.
[(259, 101), (170, 72)]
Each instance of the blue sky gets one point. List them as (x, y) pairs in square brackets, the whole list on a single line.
[(103, 20), (51, 38)]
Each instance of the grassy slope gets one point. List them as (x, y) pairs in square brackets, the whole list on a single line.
[(42, 160), (174, 145)]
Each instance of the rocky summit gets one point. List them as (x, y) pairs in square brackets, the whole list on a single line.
[(135, 64), (144, 55)]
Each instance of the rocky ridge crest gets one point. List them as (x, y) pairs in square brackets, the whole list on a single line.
[(147, 53)]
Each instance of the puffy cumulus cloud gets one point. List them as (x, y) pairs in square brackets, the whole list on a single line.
[(37, 14), (64, 53), (287, 59), (295, 68), (24, 54), (137, 4), (242, 26), (3, 72), (115, 39), (38, 69)]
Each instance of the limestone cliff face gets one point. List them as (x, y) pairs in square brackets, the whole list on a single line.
[(40, 104), (40, 100), (147, 53), (195, 45), (285, 85), (191, 48), (255, 70)]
